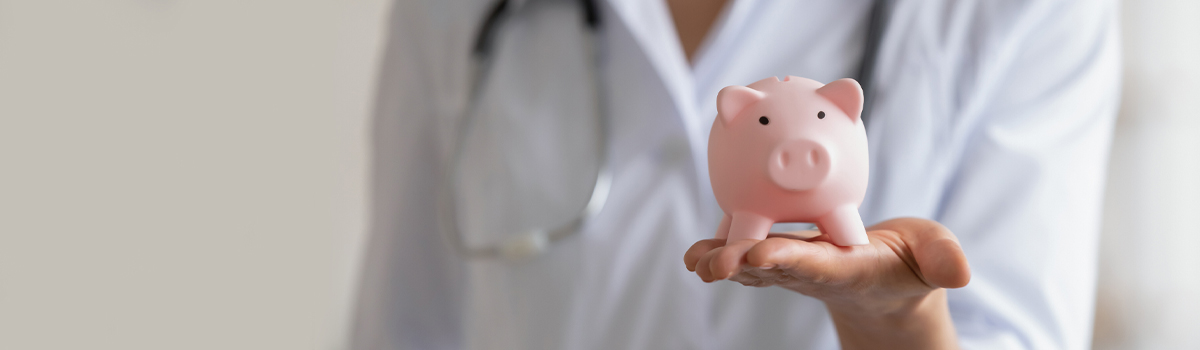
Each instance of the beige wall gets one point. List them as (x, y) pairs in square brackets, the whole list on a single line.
[(1149, 291), (182, 174)]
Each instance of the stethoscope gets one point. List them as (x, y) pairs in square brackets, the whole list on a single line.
[(535, 241)]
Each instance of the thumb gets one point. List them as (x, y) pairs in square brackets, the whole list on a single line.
[(939, 257)]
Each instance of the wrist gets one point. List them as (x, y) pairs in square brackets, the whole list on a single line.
[(916, 322), (873, 306)]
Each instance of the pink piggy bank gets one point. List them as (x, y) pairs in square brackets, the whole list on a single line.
[(790, 151)]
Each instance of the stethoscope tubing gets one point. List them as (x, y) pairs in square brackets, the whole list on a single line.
[(533, 242)]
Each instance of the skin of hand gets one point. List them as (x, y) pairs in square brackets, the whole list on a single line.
[(889, 294)]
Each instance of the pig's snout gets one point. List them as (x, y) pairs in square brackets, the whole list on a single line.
[(799, 165)]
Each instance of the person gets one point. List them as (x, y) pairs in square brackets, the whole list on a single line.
[(989, 128)]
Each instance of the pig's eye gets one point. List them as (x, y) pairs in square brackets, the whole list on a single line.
[(821, 115), (763, 120)]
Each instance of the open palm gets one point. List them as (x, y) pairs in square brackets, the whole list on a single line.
[(907, 258)]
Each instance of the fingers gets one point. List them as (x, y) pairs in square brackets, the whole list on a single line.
[(940, 259), (755, 277), (726, 261), (805, 260), (805, 235), (713, 260), (703, 267), (698, 250)]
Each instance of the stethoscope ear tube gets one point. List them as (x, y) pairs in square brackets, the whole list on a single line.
[(533, 242), (486, 35), (877, 23)]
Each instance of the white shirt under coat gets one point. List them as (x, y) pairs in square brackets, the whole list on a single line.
[(991, 117)]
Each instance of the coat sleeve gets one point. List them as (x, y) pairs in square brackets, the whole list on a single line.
[(408, 296), (1026, 198)]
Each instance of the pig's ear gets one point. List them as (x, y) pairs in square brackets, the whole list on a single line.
[(732, 100), (846, 94)]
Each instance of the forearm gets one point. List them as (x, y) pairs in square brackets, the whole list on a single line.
[(920, 323)]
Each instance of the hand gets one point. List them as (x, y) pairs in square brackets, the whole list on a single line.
[(887, 294)]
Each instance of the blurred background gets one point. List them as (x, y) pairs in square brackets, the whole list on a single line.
[(192, 174), (179, 174), (1149, 290)]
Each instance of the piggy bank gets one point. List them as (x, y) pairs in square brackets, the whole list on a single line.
[(790, 151)]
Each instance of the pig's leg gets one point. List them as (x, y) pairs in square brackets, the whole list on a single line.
[(723, 228), (844, 226), (748, 226)]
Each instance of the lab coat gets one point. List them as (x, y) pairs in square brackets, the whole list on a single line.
[(991, 117)]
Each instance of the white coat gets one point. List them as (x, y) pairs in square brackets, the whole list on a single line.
[(991, 117)]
